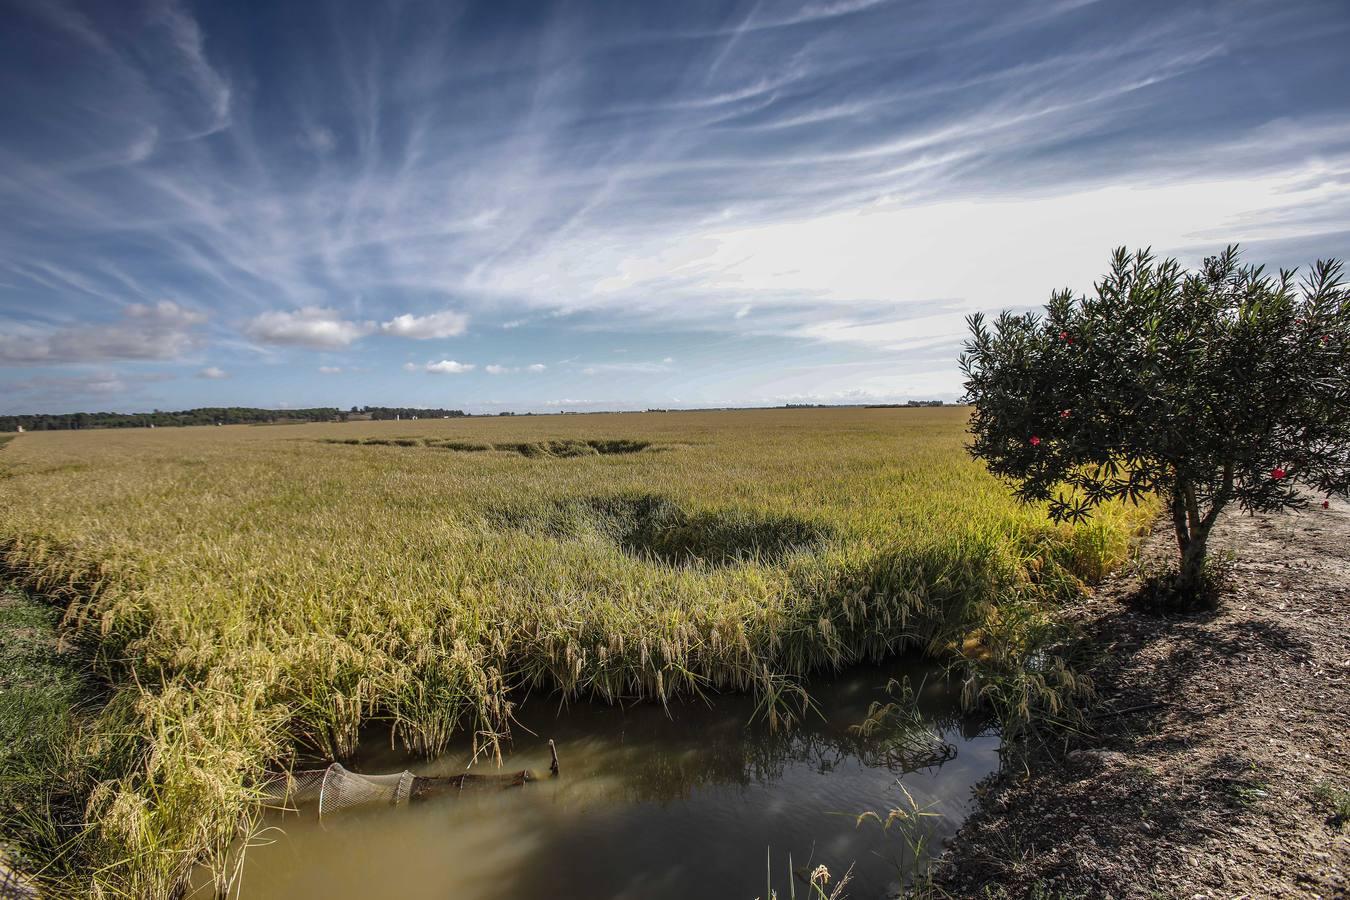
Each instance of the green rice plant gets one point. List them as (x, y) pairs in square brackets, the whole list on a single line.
[(817, 881), (252, 594), (910, 820)]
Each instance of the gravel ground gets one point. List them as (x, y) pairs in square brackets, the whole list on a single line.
[(1221, 783)]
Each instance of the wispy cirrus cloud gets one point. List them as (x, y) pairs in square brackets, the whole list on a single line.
[(499, 369), (631, 368), (854, 175)]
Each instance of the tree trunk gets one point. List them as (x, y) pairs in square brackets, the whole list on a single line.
[(1192, 530), (1191, 578), (1179, 520)]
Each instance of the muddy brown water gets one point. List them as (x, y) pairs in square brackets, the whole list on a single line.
[(689, 802)]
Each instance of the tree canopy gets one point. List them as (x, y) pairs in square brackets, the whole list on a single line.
[(1225, 385)]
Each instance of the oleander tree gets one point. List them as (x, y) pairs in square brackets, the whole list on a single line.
[(1222, 386)]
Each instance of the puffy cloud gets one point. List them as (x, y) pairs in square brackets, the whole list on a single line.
[(215, 373), (316, 327), (156, 331), (444, 324), (330, 370), (448, 367), (495, 369), (535, 367)]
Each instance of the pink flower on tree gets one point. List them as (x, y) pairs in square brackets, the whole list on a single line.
[(1064, 413)]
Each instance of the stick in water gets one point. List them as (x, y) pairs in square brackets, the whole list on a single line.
[(553, 751)]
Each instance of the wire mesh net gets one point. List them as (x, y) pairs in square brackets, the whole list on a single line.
[(293, 789), (336, 789), (343, 790)]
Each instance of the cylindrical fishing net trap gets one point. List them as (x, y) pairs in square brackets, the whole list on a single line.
[(336, 789)]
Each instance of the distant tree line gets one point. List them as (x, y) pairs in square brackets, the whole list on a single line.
[(908, 403), (211, 415), (403, 412)]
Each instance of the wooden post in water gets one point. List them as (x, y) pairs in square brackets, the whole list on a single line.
[(553, 751)]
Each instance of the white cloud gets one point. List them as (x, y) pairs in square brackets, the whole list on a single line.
[(444, 324), (535, 367), (214, 373), (316, 327), (186, 36), (873, 276), (158, 331), (495, 369), (330, 370), (448, 367)]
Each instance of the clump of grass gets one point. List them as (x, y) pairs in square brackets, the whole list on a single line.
[(251, 595), (60, 733), (1335, 799), (1161, 592), (900, 734)]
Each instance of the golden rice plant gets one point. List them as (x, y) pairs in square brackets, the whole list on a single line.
[(263, 591)]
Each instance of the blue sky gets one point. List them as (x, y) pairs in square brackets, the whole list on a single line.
[(538, 206)]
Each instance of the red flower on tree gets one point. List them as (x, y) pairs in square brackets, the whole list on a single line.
[(1326, 504), (1064, 413), (1277, 473), (1035, 441), (1064, 336)]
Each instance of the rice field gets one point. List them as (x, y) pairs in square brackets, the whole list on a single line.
[(251, 593)]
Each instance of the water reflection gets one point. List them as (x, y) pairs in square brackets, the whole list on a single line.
[(650, 803)]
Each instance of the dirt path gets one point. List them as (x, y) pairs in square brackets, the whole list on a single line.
[(1226, 784)]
